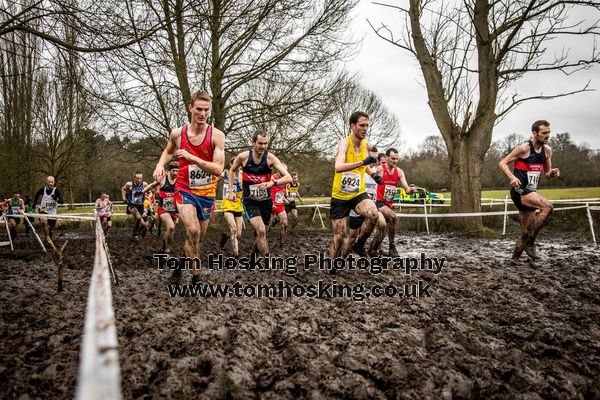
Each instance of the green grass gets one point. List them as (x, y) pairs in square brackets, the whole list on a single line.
[(552, 194)]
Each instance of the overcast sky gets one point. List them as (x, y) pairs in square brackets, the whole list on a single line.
[(396, 77)]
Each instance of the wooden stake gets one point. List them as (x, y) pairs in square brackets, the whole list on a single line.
[(57, 256)]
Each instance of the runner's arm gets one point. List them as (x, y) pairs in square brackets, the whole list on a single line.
[(37, 196), (404, 184), (124, 190), (517, 153), (550, 172), (151, 186), (340, 159), (167, 154), (58, 196), (237, 164), (285, 176)]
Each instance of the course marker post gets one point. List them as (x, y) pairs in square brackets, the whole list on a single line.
[(505, 215), (589, 214), (426, 219), (8, 232), (35, 233)]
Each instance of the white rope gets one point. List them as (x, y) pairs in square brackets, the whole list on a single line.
[(99, 371), (479, 214)]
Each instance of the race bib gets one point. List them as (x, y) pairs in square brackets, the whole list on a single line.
[(258, 194), (198, 177), (168, 204), (350, 182), (137, 198), (279, 197), (292, 196), (389, 193), (51, 207), (15, 210), (533, 178), (226, 191)]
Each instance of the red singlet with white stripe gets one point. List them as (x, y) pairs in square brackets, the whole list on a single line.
[(387, 190), (191, 178)]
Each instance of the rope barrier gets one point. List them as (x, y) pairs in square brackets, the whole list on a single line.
[(99, 371)]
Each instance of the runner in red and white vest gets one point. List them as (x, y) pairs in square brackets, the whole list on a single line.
[(391, 176), (531, 160), (257, 165), (103, 210), (166, 208), (200, 149)]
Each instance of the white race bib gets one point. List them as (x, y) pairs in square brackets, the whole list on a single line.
[(279, 197), (168, 204), (533, 178), (51, 207), (350, 182), (198, 177), (137, 198), (258, 194), (389, 193)]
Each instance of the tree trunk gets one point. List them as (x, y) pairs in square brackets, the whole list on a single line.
[(466, 166)]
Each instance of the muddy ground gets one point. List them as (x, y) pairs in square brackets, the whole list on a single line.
[(491, 329)]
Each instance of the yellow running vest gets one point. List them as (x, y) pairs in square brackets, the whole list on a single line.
[(347, 185)]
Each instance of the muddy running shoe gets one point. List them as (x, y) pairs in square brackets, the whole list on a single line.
[(359, 248), (136, 238), (392, 251), (224, 239), (519, 247), (530, 249), (175, 276)]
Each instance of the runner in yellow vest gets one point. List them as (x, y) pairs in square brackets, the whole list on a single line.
[(348, 189)]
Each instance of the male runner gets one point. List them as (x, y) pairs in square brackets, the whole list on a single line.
[(348, 189), (148, 214), (232, 209), (355, 221), (279, 203), (292, 194), (14, 207), (390, 175), (257, 165), (103, 210), (531, 159), (200, 149), (166, 208), (133, 195), (49, 198)]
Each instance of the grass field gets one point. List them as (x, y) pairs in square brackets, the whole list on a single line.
[(552, 194)]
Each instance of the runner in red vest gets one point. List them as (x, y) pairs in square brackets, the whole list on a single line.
[(166, 208), (200, 149), (279, 203), (391, 175), (531, 160)]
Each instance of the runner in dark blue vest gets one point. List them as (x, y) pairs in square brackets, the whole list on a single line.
[(257, 165), (133, 195), (531, 160)]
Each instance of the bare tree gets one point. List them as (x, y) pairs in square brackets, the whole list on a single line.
[(267, 58), (470, 52), (99, 24), (384, 127)]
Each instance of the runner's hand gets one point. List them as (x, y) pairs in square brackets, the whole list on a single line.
[(231, 195), (377, 178), (515, 182), (369, 160), (554, 172), (182, 153), (159, 173)]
